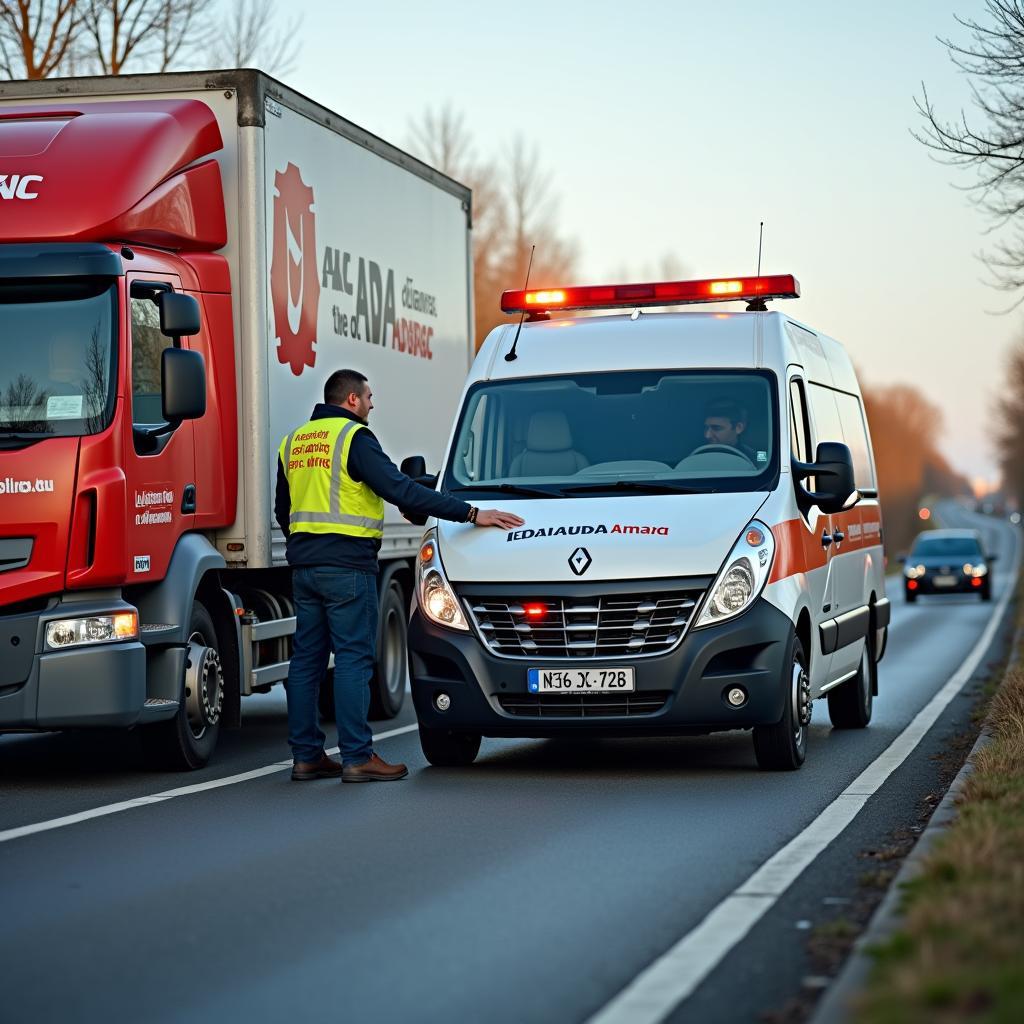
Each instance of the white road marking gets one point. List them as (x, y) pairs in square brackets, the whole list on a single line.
[(661, 987), (169, 794)]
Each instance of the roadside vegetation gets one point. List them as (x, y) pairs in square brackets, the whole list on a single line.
[(960, 951)]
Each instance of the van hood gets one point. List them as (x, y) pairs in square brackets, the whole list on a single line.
[(607, 538), (36, 488)]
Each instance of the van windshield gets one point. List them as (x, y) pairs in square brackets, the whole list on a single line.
[(653, 431), (57, 351)]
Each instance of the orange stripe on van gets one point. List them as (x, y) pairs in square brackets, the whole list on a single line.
[(798, 549)]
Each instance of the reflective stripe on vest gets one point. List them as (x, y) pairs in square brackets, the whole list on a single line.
[(324, 498)]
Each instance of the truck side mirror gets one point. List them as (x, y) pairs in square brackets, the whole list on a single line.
[(179, 314), (833, 472), (183, 375)]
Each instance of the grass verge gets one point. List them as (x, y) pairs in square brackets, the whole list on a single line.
[(959, 954)]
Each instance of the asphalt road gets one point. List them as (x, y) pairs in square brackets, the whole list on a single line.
[(535, 885)]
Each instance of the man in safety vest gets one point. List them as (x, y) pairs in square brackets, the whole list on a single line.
[(332, 481)]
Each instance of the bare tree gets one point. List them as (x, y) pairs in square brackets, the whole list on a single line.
[(152, 35), (251, 38), (36, 36), (992, 145), (1010, 435), (532, 218)]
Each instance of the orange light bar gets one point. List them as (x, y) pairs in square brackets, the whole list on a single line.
[(659, 293)]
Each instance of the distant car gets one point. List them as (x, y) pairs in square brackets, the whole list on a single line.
[(947, 562)]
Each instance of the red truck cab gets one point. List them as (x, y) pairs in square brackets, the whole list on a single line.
[(118, 433)]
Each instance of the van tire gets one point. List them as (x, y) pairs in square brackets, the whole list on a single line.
[(177, 744), (850, 704), (782, 747), (445, 748)]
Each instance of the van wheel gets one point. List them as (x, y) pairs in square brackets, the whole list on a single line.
[(850, 704), (447, 749), (186, 741), (387, 688), (782, 747)]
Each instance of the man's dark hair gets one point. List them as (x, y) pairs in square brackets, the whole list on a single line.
[(728, 409), (341, 384)]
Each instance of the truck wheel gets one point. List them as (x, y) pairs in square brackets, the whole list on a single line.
[(185, 742), (387, 688), (447, 749), (782, 747), (851, 703)]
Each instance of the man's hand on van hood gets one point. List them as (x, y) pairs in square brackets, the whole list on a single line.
[(625, 538)]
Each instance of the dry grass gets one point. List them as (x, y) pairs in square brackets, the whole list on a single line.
[(960, 953)]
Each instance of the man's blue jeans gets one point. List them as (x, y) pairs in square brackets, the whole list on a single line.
[(334, 609)]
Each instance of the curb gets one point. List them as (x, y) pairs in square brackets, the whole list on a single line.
[(835, 1005)]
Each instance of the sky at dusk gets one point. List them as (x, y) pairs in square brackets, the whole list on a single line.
[(672, 129)]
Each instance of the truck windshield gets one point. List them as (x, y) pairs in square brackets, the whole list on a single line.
[(630, 431), (57, 352)]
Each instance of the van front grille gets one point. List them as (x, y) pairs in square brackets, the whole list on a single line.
[(587, 705), (609, 626)]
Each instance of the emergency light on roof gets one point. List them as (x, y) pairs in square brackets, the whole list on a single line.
[(662, 293)]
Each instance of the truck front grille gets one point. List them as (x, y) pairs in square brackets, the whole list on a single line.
[(609, 626)]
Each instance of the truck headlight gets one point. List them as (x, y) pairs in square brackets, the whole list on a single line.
[(434, 593), (92, 629), (742, 577)]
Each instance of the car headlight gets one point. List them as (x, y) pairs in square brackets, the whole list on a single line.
[(435, 595), (92, 629), (742, 577), (981, 569), (912, 572)]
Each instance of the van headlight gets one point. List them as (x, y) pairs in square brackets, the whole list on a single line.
[(433, 591), (742, 577)]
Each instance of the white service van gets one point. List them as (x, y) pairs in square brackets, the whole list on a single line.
[(703, 544)]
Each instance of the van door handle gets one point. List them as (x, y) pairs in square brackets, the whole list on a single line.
[(826, 539)]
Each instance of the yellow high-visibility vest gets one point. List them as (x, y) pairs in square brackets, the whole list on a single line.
[(324, 498)]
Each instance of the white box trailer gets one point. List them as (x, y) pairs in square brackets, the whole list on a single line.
[(342, 251)]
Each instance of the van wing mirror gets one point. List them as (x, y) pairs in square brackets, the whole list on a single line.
[(183, 375), (415, 466), (833, 472), (179, 314)]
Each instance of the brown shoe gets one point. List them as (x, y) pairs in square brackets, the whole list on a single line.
[(325, 768), (374, 770)]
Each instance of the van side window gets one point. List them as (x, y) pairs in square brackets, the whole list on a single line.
[(851, 415), (799, 433), (827, 426)]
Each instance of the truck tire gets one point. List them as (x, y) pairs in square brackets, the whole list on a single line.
[(782, 747), (445, 748), (851, 703), (387, 687), (186, 741)]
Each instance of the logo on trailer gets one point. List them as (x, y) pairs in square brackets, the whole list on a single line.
[(19, 186), (579, 561), (294, 277)]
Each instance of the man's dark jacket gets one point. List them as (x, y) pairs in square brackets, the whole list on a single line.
[(367, 464)]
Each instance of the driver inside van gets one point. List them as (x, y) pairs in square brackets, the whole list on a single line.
[(725, 421)]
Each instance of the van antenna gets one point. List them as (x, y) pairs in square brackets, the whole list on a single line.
[(511, 354), (757, 305)]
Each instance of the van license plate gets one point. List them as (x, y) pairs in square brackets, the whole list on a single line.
[(581, 680), (944, 581)]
